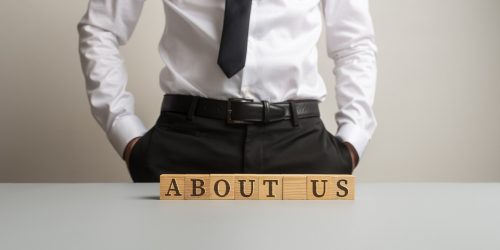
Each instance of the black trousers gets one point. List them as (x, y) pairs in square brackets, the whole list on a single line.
[(206, 145)]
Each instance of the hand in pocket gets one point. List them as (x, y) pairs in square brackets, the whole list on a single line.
[(129, 148), (353, 154)]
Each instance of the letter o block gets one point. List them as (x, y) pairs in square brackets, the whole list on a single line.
[(222, 187)]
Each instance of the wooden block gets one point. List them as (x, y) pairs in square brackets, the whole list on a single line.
[(271, 187), (171, 187), (197, 187), (320, 187), (246, 187), (294, 187), (344, 187), (265, 186), (222, 186)]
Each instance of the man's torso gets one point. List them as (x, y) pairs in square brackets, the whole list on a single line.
[(281, 61)]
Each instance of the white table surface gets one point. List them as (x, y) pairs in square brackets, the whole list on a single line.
[(130, 216)]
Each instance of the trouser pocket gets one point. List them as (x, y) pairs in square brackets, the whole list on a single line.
[(341, 151), (138, 161)]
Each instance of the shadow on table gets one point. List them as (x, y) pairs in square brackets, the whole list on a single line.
[(148, 197)]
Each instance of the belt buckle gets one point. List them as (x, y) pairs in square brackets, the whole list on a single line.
[(229, 110)]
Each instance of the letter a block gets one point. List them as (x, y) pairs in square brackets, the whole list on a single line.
[(172, 187), (222, 186), (246, 187), (197, 187), (294, 187), (320, 187), (270, 187)]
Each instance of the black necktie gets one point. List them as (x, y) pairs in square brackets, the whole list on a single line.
[(233, 45)]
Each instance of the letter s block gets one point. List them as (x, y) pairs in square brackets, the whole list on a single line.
[(222, 186), (171, 187), (343, 187), (197, 187)]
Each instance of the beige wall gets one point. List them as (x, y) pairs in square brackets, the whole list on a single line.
[(437, 101)]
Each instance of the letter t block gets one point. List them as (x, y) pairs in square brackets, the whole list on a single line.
[(270, 187)]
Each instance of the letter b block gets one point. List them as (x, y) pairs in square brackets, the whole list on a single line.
[(197, 187)]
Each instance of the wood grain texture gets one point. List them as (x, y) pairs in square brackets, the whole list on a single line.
[(172, 186), (270, 187), (246, 187), (344, 187), (265, 186), (320, 187), (222, 186), (294, 187), (197, 187)]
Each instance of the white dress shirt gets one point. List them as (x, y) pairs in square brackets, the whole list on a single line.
[(281, 61)]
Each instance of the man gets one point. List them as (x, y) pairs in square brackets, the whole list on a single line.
[(261, 52)]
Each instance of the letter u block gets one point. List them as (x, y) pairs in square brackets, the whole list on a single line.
[(222, 186), (320, 187), (197, 187), (246, 187), (171, 187)]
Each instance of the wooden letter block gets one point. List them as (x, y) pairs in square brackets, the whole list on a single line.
[(270, 187), (320, 187), (294, 187), (344, 187), (246, 187), (222, 186), (257, 187), (171, 187), (197, 187)]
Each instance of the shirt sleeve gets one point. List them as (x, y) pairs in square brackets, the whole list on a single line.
[(351, 44), (106, 25)]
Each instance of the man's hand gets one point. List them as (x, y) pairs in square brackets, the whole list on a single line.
[(354, 154), (128, 149)]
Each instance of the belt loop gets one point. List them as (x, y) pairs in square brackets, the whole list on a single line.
[(293, 113), (266, 111), (192, 108)]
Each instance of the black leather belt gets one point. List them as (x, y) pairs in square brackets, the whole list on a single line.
[(240, 110)]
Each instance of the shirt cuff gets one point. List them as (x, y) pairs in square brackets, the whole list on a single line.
[(124, 129), (355, 135)]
